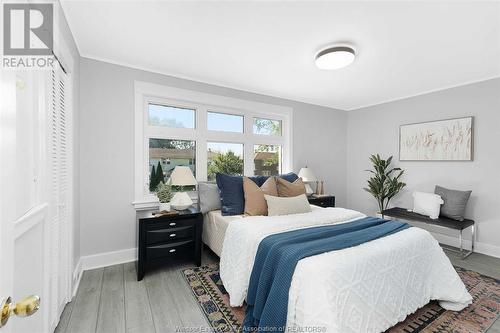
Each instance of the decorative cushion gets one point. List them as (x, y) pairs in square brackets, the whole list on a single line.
[(231, 194), (427, 204), (231, 191), (287, 205), (455, 202), (255, 204), (209, 198), (288, 189), (259, 180)]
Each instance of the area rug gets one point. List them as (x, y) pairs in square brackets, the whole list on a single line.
[(213, 299)]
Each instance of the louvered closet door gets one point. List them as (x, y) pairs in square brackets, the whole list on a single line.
[(60, 187)]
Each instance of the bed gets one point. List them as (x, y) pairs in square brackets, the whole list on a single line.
[(366, 288), (214, 229), (215, 225)]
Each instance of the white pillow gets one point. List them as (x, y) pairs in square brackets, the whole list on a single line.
[(427, 204), (287, 205)]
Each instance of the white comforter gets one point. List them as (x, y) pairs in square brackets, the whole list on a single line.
[(367, 288)]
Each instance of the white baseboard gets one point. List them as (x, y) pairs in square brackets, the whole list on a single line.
[(488, 249), (77, 276), (108, 259)]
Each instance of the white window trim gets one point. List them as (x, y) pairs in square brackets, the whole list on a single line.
[(149, 92)]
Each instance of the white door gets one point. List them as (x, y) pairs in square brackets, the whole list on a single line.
[(59, 194), (34, 200)]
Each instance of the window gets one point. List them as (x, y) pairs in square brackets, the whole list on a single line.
[(267, 160), (224, 122), (165, 155), (225, 158), (208, 133), (170, 116), (266, 126)]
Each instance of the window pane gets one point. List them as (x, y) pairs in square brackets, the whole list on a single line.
[(165, 155), (170, 116), (225, 158), (224, 122), (267, 160), (266, 126)]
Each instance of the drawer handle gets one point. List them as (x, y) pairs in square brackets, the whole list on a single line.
[(173, 235), (172, 224), (172, 251)]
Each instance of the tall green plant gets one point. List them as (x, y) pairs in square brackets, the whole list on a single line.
[(160, 178), (385, 183), (152, 180)]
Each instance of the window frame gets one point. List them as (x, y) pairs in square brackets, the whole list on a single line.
[(202, 103)]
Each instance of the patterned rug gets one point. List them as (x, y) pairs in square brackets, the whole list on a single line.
[(213, 299)]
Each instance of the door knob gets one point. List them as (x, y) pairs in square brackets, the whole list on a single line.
[(24, 308)]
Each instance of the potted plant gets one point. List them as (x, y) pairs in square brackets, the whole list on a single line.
[(384, 184), (164, 194)]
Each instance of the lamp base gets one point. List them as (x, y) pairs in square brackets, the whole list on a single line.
[(309, 190), (181, 201)]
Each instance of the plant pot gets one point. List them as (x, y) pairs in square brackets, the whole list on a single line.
[(164, 206)]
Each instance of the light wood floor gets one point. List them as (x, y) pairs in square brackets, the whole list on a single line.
[(111, 300)]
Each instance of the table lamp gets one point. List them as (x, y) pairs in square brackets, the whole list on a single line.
[(307, 177), (181, 176)]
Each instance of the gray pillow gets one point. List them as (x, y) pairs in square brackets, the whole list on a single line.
[(454, 202), (209, 198)]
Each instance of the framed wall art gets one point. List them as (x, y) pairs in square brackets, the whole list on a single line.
[(441, 140)]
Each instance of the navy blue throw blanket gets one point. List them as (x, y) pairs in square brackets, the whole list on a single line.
[(277, 256)]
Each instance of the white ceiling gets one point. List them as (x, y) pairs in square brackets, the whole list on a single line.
[(404, 48)]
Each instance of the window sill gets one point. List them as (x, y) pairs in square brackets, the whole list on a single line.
[(146, 204)]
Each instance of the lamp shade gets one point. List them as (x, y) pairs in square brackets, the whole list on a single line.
[(182, 176), (307, 175)]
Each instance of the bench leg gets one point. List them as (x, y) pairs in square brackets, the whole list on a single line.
[(461, 249), (473, 237), (466, 254)]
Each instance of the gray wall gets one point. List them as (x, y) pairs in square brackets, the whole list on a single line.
[(107, 148), (376, 130)]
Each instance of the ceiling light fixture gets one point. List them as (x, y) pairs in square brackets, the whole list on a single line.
[(335, 57)]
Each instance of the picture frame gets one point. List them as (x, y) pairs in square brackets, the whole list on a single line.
[(438, 140)]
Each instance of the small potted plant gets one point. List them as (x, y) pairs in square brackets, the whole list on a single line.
[(384, 184), (164, 194)]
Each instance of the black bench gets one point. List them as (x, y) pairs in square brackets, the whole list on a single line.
[(404, 214)]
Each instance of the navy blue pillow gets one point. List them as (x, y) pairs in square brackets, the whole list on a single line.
[(231, 194), (289, 177), (259, 180), (231, 191)]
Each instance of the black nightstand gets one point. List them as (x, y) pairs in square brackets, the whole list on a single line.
[(323, 201), (169, 237)]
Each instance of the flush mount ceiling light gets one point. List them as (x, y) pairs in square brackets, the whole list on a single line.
[(335, 57)]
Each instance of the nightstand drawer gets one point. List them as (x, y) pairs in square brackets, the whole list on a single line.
[(321, 202), (172, 224), (168, 234), (328, 201), (172, 250)]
